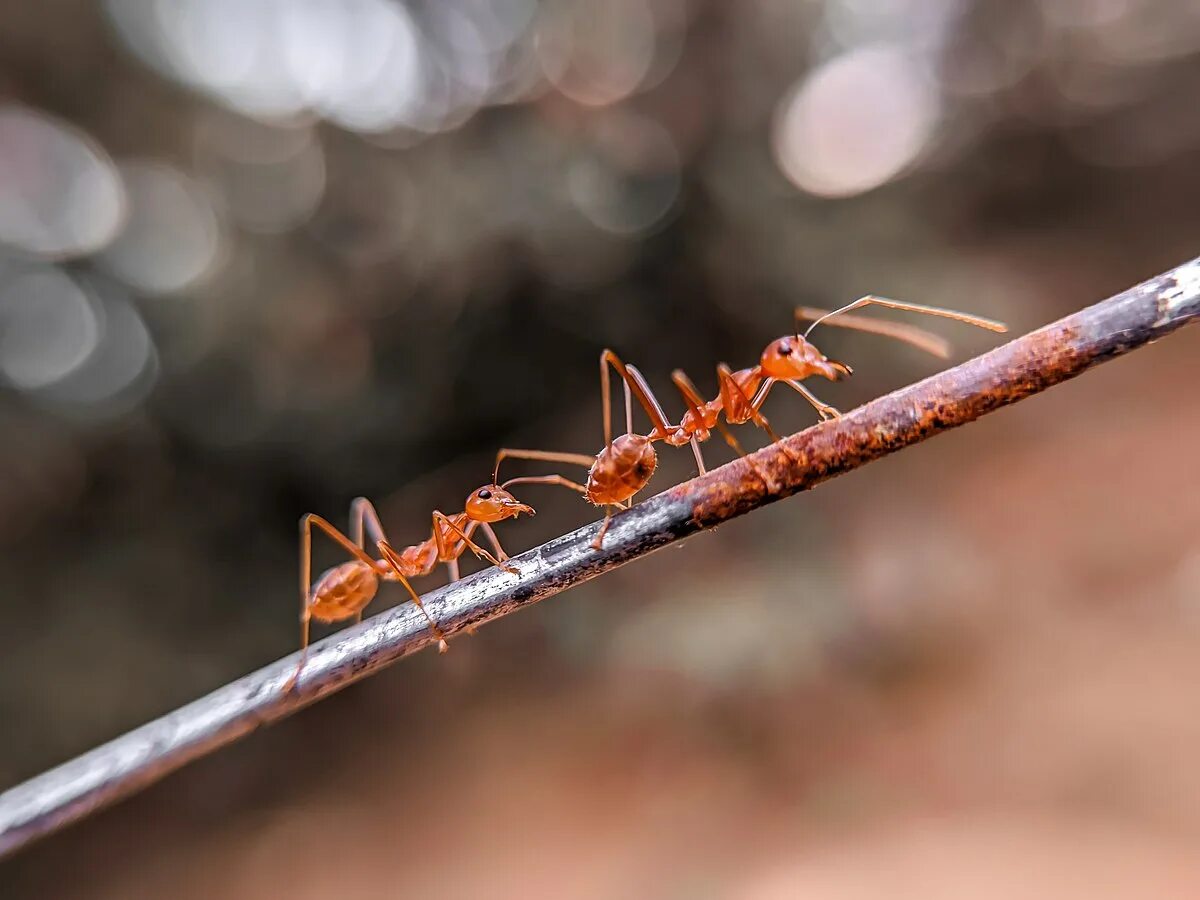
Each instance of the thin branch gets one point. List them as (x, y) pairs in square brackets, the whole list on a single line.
[(1023, 367)]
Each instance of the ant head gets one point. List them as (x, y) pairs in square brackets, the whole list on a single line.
[(492, 503), (794, 357)]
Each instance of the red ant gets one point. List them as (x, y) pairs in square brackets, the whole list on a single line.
[(345, 590), (625, 465), (790, 359)]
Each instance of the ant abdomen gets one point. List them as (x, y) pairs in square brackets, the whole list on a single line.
[(621, 469), (343, 591)]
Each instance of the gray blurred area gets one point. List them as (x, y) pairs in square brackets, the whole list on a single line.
[(257, 258)]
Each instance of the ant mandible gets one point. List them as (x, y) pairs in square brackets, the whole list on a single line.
[(345, 590)]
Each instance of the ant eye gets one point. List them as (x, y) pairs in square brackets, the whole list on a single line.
[(785, 349), (485, 494)]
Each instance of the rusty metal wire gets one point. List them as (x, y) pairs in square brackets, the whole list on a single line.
[(1023, 367)]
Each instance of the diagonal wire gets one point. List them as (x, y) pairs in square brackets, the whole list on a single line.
[(1020, 368)]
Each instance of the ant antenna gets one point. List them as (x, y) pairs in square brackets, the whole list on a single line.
[(918, 337)]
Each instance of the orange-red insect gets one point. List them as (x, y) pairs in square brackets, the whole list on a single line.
[(625, 465), (345, 590), (792, 358)]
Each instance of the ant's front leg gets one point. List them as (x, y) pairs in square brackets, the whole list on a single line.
[(824, 410), (365, 518), (494, 541), (731, 392), (441, 519)]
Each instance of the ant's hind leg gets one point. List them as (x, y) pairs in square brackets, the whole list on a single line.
[(306, 523), (386, 551), (364, 517), (824, 410), (598, 543)]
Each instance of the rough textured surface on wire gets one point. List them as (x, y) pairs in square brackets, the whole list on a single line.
[(1023, 367)]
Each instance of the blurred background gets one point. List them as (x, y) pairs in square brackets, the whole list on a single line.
[(261, 257)]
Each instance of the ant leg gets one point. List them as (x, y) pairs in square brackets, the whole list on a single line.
[(633, 380), (442, 518), (824, 410), (695, 404), (598, 543), (645, 395), (694, 443), (628, 408), (641, 387), (363, 513), (729, 384), (490, 534), (605, 400), (575, 486), (386, 551), (761, 421), (693, 398), (578, 459), (306, 523), (305, 590)]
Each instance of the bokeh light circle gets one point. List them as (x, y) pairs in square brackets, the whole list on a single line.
[(172, 238), (48, 328), (855, 122), (60, 195)]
